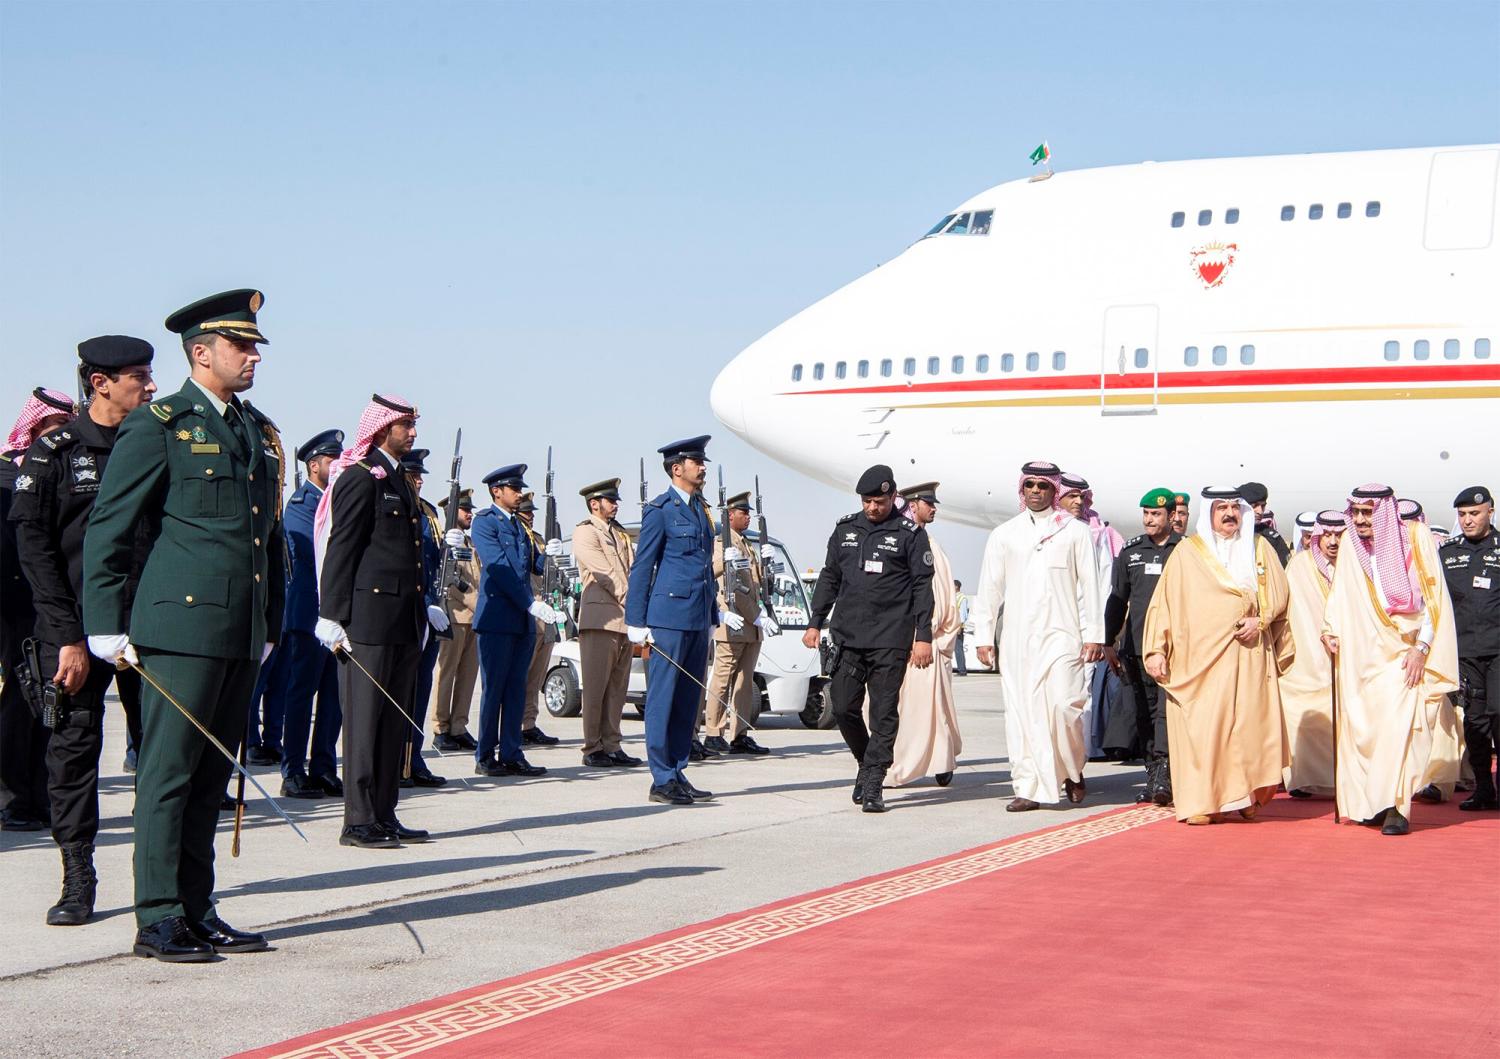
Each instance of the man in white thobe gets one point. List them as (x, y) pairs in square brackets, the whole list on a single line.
[(1077, 499), (1040, 568)]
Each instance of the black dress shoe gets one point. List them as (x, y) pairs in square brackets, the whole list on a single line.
[(466, 742), (1395, 824), (537, 737), (1429, 795), (944, 778), (224, 938), (1476, 803), (694, 793), (369, 836), (859, 787), (696, 751), (670, 794), (130, 759), (227, 803), (20, 821), (521, 767), (599, 760), (489, 767), (427, 779), (404, 833), (446, 743), (1298, 792), (406, 783), (624, 760), (329, 785), (262, 755), (743, 744), (297, 785), (171, 941), (716, 743)]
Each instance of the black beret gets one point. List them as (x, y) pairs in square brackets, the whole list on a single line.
[(1475, 494), (115, 351), (328, 443), (879, 480), (1254, 493)]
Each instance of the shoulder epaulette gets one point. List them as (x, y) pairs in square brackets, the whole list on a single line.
[(585, 522), (849, 518), (909, 524), (1134, 541), (166, 411), (56, 434), (1451, 540), (658, 502)]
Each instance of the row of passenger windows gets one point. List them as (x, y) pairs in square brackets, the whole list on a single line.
[(1219, 355), (976, 222), (1421, 349), (933, 365), (1343, 211)]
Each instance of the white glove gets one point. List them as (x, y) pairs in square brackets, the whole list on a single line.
[(114, 647), (331, 634), (768, 625), (436, 616), (454, 538), (638, 633), (554, 547), (733, 555), (731, 619), (543, 613), (768, 551), (265, 652)]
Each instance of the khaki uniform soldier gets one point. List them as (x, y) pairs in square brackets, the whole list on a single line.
[(737, 640), (205, 468), (458, 657), (603, 552), (541, 643)]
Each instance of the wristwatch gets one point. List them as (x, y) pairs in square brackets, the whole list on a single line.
[(1426, 649)]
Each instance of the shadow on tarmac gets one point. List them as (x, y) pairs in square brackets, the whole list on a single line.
[(380, 873), (491, 899)]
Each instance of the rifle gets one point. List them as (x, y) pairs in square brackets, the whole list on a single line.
[(768, 567), (557, 579), (725, 539), (643, 487), (449, 574)]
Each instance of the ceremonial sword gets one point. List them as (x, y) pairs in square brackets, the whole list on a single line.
[(122, 662), (344, 650), (656, 647)]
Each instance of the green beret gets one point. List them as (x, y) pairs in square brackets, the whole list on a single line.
[(1163, 498)]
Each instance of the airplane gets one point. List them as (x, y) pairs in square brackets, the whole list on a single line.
[(1310, 321)]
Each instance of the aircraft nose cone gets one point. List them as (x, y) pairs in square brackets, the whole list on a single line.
[(727, 397)]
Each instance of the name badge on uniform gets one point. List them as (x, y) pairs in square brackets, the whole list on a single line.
[(874, 566), (1481, 582), (206, 447), (1153, 568)]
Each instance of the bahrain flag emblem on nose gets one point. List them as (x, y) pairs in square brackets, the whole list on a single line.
[(1211, 262)]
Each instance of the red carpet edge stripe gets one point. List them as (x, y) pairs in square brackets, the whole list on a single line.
[(435, 1023)]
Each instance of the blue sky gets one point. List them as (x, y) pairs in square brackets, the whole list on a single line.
[(555, 222)]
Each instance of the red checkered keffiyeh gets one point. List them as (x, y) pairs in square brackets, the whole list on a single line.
[(42, 404), (1057, 487), (1391, 549), (375, 418), (1326, 522)]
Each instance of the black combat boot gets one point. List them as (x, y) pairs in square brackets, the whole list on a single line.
[(859, 786), (874, 799), (76, 905), (1162, 793)]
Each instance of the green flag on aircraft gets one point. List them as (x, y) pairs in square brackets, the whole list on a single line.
[(1043, 153)]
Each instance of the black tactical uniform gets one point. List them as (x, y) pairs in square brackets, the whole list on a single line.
[(65, 467), (1133, 580), (1472, 568), (880, 576)]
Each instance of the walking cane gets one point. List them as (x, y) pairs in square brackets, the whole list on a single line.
[(1336, 739), (239, 795)]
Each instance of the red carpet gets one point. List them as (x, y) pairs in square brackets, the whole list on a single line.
[(1120, 933)]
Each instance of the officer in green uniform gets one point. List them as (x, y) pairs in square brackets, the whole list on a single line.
[(204, 470)]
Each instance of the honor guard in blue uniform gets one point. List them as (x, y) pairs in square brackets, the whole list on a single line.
[(414, 466), (1471, 566), (308, 668), (671, 603), (503, 621)]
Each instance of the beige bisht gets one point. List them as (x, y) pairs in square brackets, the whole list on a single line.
[(1224, 726), (928, 742), (1307, 685), (1393, 740)]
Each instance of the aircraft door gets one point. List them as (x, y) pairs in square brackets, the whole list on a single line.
[(1128, 366)]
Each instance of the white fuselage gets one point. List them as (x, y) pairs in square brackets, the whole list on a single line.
[(1100, 325)]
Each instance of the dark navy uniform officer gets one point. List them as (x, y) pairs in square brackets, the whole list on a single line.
[(503, 621), (879, 571), (1471, 566), (671, 602)]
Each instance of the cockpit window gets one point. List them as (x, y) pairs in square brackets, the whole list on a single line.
[(940, 225), (975, 222)]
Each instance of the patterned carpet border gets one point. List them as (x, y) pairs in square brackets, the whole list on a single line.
[(511, 1002)]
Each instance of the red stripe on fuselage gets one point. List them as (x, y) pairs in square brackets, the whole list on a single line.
[(1191, 379)]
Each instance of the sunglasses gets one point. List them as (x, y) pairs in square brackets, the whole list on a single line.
[(1036, 483)]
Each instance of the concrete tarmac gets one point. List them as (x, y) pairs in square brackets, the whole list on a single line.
[(521, 874)]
